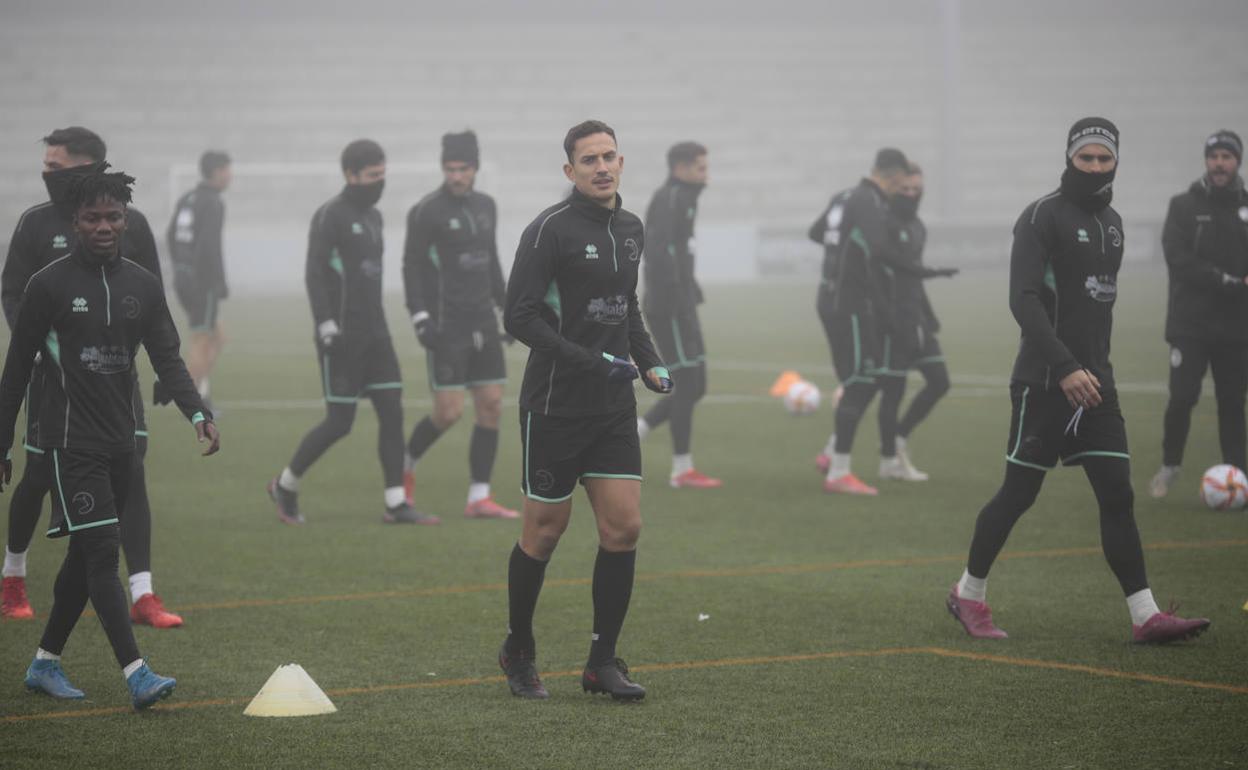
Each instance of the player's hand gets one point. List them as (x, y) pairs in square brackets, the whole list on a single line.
[(206, 430), (945, 272), (327, 332), (659, 380), (619, 369), (426, 335), (1082, 389), (6, 469)]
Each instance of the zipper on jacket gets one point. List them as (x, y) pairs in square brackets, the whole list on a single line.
[(108, 299), (1102, 228), (472, 224), (614, 260)]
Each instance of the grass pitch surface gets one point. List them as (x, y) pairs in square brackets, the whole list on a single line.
[(827, 643)]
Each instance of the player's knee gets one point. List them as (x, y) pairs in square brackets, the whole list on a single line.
[(939, 382), (101, 547), (338, 425), (1117, 501), (620, 534), (489, 412), (1184, 397), (446, 415)]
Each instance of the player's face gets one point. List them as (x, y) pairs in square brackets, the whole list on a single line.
[(221, 178), (56, 158), (595, 168), (911, 186), (694, 172), (1222, 166), (1094, 159), (100, 225), (367, 175), (459, 176)]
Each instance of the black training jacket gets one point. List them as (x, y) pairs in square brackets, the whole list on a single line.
[(88, 319), (912, 308), (866, 257), (44, 234), (194, 238), (826, 231), (671, 251), (450, 261), (572, 296), (1063, 284), (344, 269), (1205, 241)]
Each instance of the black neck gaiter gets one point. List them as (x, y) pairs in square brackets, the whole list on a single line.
[(1090, 192), (364, 195)]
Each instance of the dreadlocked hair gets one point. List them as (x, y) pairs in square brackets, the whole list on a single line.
[(99, 185)]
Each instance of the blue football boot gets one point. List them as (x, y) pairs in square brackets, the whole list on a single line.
[(147, 687), (47, 676)]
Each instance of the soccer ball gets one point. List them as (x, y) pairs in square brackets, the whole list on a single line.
[(1224, 488), (801, 398)]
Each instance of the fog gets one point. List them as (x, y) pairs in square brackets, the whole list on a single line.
[(792, 98)]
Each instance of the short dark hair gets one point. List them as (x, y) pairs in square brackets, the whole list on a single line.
[(582, 130), (361, 154), (99, 185), (915, 169), (890, 160), (78, 141), (684, 152), (212, 160)]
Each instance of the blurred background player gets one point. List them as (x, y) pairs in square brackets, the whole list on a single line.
[(910, 341), (855, 233), (671, 303), (194, 237), (99, 307), (45, 233), (572, 298), (1064, 265), (454, 287), (1205, 240), (353, 343)]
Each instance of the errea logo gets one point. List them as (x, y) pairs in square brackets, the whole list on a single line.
[(80, 305), (357, 228), (1082, 235), (454, 224), (591, 251), (60, 242)]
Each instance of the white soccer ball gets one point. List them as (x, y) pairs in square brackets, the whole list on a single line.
[(1224, 488), (801, 398)]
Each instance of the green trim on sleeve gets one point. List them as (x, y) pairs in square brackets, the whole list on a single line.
[(197, 418)]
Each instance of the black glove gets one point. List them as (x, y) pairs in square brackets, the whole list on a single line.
[(327, 332), (942, 272), (619, 369), (664, 377), (426, 335)]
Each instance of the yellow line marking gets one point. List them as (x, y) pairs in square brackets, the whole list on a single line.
[(755, 571), (692, 665)]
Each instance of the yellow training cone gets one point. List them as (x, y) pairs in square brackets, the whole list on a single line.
[(290, 692), (786, 380)]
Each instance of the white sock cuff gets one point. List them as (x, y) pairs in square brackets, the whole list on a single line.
[(42, 654), (1142, 606), (14, 564), (972, 588), (395, 496), (288, 481), (681, 463), (140, 585), (478, 491), (130, 669)]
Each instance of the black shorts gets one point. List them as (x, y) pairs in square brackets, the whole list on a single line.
[(679, 339), (466, 360), (88, 489), (855, 344), (351, 368), (560, 451), (909, 350), (199, 303), (1045, 429)]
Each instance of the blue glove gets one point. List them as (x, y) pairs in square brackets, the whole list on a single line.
[(660, 373), (619, 369)]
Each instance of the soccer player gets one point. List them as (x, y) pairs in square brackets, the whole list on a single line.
[(572, 298), (910, 341), (671, 304), (87, 313), (194, 237), (1205, 240), (852, 304), (43, 234), (454, 283), (1063, 284), (353, 344)]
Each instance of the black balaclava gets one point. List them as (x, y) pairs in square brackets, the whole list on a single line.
[(1090, 192), (364, 195), (61, 181), (461, 148), (905, 207)]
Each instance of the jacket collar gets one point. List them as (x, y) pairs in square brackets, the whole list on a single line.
[(591, 209), (83, 256)]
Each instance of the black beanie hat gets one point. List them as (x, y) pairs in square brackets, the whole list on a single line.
[(461, 147), (1091, 131), (1225, 139)]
